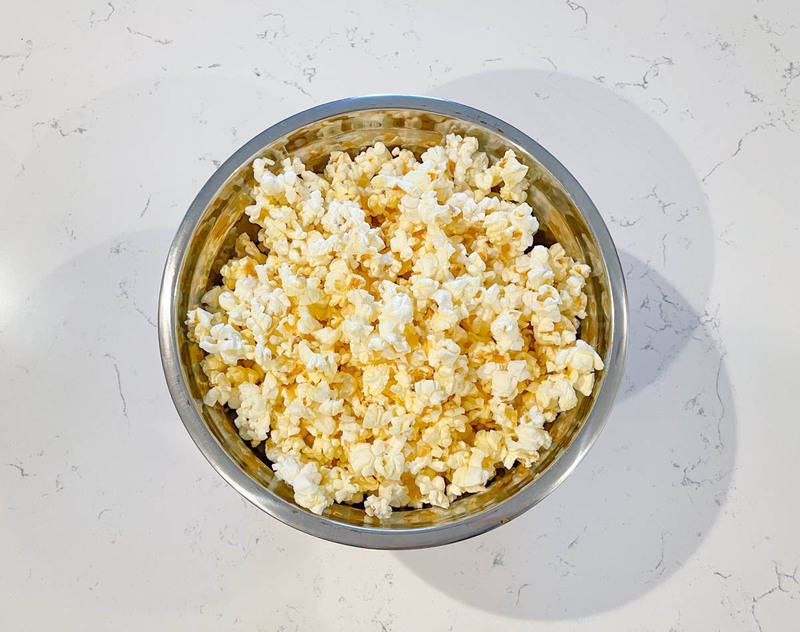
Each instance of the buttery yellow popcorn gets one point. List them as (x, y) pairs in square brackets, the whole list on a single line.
[(394, 337)]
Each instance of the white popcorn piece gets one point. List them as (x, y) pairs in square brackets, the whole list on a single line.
[(377, 506), (505, 331), (305, 481)]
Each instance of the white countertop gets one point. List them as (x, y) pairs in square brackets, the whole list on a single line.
[(681, 120)]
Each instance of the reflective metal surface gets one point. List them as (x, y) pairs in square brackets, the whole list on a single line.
[(204, 240)]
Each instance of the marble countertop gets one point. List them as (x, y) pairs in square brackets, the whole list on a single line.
[(681, 121)]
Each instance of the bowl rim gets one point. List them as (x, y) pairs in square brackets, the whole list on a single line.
[(369, 536)]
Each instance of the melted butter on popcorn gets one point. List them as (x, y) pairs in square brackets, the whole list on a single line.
[(393, 338)]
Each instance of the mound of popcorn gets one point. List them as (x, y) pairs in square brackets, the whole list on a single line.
[(394, 337)]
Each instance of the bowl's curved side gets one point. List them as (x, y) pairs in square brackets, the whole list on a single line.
[(265, 494)]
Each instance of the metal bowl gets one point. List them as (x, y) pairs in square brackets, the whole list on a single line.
[(204, 241)]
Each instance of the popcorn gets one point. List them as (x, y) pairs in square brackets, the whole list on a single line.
[(377, 506), (305, 481), (579, 362), (432, 490), (225, 340), (252, 419), (397, 312), (505, 381), (505, 331), (393, 337)]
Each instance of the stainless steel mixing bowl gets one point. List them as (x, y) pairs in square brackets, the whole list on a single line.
[(215, 217)]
